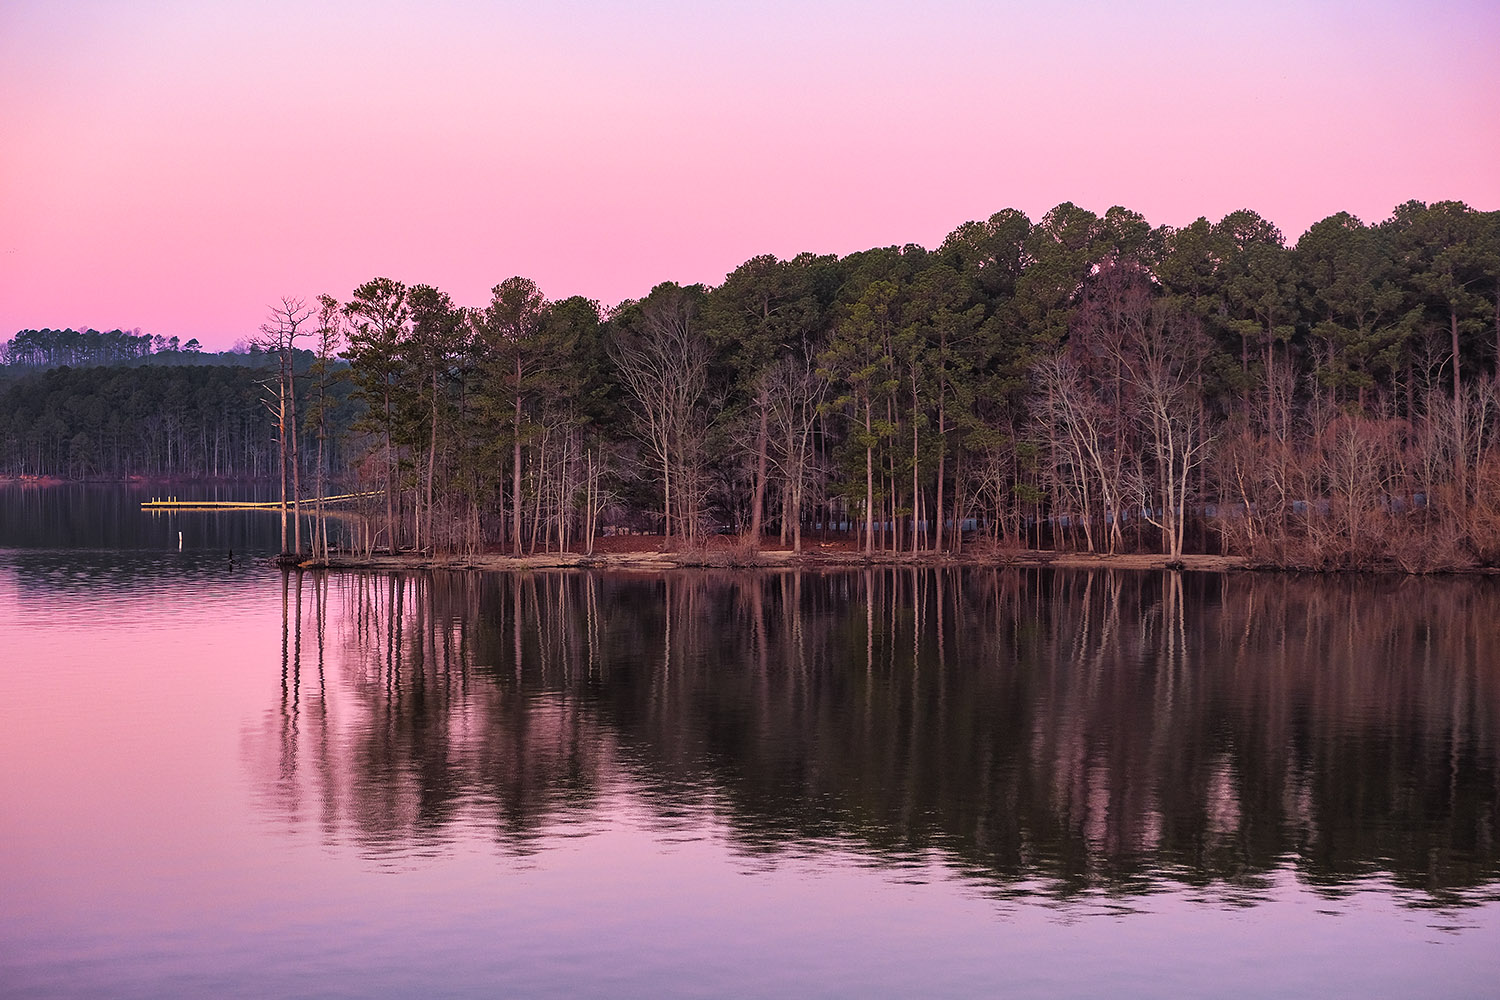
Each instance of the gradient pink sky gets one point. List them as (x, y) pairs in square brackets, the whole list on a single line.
[(178, 166)]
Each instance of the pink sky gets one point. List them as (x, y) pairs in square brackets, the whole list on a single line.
[(177, 166)]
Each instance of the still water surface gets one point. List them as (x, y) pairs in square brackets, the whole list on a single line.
[(217, 779)]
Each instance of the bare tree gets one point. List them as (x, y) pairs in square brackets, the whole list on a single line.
[(1163, 361), (1075, 423), (794, 390), (666, 370), (279, 335)]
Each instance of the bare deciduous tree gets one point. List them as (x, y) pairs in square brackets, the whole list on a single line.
[(279, 335), (794, 391), (666, 370), (1074, 421), (1163, 361)]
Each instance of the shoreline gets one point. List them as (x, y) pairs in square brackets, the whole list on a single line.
[(778, 559), (731, 559), (732, 556)]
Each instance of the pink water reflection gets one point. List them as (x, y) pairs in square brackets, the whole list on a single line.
[(187, 812)]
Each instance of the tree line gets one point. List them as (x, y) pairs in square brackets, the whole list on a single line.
[(48, 348), (117, 421), (1082, 380)]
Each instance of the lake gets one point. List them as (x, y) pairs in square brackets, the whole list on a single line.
[(219, 779)]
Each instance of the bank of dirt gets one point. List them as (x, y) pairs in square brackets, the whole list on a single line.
[(649, 553)]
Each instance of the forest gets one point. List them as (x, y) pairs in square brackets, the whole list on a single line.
[(1083, 381), (85, 405)]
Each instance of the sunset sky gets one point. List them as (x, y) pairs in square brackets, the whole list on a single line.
[(178, 166)]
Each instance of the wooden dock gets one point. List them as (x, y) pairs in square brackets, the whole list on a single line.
[(173, 503)]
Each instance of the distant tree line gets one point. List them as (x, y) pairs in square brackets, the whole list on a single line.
[(132, 418), (31, 349), (1083, 380)]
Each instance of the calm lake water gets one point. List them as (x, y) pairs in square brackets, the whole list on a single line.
[(220, 780)]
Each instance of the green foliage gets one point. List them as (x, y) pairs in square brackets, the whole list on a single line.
[(1355, 306)]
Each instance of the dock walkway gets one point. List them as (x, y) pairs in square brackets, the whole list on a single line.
[(173, 503)]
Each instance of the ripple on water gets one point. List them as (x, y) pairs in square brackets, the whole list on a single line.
[(121, 589)]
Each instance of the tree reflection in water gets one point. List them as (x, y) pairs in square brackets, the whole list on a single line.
[(1044, 731)]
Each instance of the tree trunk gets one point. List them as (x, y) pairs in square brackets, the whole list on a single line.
[(796, 515), (869, 485), (515, 470), (786, 504), (432, 457), (937, 507), (958, 527), (541, 479), (281, 447), (291, 398), (320, 539), (1460, 459), (916, 465), (666, 495), (589, 513), (390, 476), (762, 445)]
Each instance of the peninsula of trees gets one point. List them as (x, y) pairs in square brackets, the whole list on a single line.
[(1081, 381)]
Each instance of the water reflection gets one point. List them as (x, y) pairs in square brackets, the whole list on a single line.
[(1049, 733), (78, 516)]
